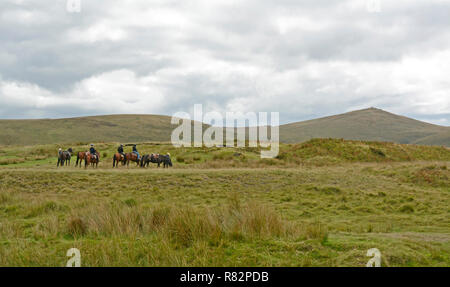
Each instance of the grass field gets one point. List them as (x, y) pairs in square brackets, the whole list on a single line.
[(319, 203)]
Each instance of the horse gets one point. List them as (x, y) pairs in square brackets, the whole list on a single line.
[(91, 159), (166, 160), (64, 157), (81, 155), (148, 158), (156, 158), (131, 156), (118, 157)]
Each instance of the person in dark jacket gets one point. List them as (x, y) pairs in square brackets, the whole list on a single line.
[(92, 151), (120, 150), (135, 151)]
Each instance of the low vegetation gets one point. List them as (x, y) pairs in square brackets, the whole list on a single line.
[(320, 203)]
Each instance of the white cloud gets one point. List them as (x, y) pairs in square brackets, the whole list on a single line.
[(301, 58), (114, 92)]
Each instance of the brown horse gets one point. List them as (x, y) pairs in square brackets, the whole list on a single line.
[(118, 157), (131, 156), (81, 155), (91, 159)]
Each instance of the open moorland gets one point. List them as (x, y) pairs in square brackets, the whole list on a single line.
[(323, 202), (368, 124)]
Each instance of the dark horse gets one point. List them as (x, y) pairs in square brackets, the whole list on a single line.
[(156, 158), (64, 157), (81, 155), (91, 159), (131, 156), (118, 157)]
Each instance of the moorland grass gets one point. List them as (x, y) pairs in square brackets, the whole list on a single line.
[(230, 212)]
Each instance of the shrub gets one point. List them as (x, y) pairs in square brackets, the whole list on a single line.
[(377, 152), (76, 227), (130, 202), (407, 208)]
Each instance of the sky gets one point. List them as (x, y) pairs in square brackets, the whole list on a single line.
[(303, 59)]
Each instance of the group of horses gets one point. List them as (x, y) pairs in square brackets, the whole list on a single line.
[(144, 161), (93, 160), (89, 159)]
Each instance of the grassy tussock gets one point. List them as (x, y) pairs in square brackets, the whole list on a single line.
[(185, 225), (432, 175)]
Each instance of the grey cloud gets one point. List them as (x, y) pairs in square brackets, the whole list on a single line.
[(234, 39)]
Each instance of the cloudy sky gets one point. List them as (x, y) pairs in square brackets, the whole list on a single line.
[(304, 59)]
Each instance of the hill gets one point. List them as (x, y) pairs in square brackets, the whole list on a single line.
[(369, 124), (117, 128)]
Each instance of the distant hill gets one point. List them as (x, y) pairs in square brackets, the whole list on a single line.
[(112, 128), (369, 124)]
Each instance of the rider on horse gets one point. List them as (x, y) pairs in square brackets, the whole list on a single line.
[(135, 151), (92, 151), (120, 150)]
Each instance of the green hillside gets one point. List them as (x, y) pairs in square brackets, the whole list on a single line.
[(118, 128), (368, 124)]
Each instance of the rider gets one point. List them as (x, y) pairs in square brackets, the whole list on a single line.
[(120, 150), (135, 151), (92, 150)]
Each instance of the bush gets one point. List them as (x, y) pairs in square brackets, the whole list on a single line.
[(407, 208), (76, 227), (130, 202), (377, 152)]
